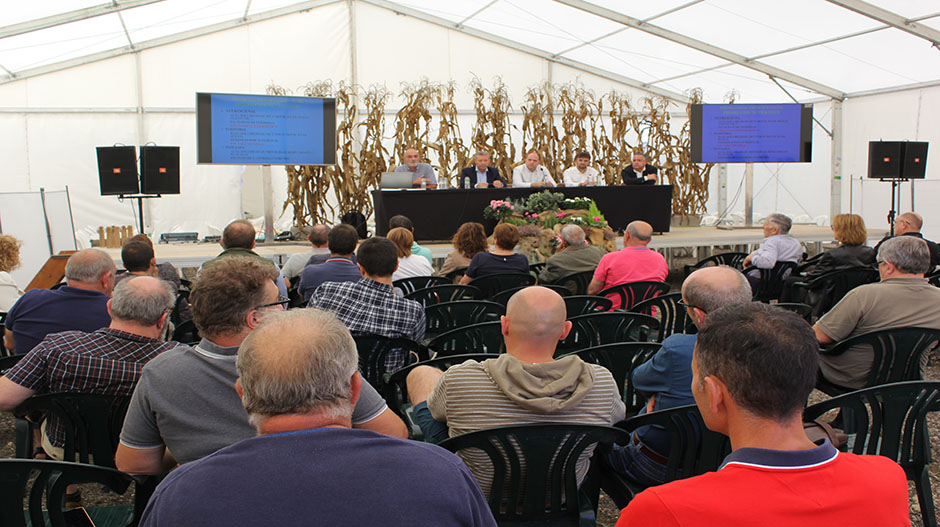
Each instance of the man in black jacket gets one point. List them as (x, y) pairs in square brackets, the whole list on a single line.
[(909, 224), (481, 175), (639, 172)]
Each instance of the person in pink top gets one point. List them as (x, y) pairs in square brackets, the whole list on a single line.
[(634, 263)]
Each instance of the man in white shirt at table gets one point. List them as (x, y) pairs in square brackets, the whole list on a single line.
[(531, 173), (581, 174)]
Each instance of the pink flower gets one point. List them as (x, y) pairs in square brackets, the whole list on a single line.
[(597, 218), (559, 214)]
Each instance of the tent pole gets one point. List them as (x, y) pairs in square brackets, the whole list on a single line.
[(835, 180), (267, 189), (749, 194)]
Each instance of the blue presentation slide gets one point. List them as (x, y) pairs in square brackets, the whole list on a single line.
[(755, 133), (264, 130)]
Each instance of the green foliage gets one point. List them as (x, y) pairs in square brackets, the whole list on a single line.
[(545, 200), (518, 222), (595, 213), (498, 209)]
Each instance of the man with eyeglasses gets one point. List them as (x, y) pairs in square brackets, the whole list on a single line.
[(909, 224), (185, 406), (667, 377)]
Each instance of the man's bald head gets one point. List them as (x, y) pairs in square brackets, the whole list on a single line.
[(88, 269), (319, 235), (239, 233), (535, 315), (909, 222), (711, 288), (638, 233), (142, 300)]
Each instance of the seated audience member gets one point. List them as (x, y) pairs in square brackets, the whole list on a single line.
[(581, 174), (185, 406), (522, 386), (136, 255), (370, 306), (238, 239), (409, 264), (340, 267), (81, 305), (468, 242), (502, 259), (910, 224), (319, 243), (299, 381), (420, 172), (778, 246), (903, 298), (639, 172), (107, 361), (9, 260), (667, 377), (753, 369), (481, 174), (634, 263), (574, 255), (404, 222), (531, 173)]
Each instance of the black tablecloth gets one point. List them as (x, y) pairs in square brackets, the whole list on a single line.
[(438, 213)]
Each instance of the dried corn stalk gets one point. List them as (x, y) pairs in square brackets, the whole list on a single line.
[(491, 132), (412, 122), (452, 154)]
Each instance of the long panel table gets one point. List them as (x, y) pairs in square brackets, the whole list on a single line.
[(438, 213)]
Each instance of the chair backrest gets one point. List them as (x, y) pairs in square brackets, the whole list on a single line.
[(504, 296), (672, 316), (21, 478), (186, 332), (803, 310), (534, 467), (577, 283), (91, 423), (455, 274), (536, 267), (396, 389), (887, 420), (3, 319), (808, 263), (486, 337), (441, 318), (621, 359), (492, 284), (693, 448), (839, 282), (897, 352), (586, 304), (634, 292), (439, 294), (409, 285), (597, 329), (374, 356), (771, 280), (731, 259), (8, 362)]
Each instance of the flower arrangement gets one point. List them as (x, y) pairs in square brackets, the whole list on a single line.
[(498, 209), (576, 203), (545, 200)]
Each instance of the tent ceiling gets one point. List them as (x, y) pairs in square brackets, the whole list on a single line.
[(811, 47)]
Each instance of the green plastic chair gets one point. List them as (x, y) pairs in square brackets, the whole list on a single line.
[(439, 294), (635, 292), (374, 361), (440, 318), (597, 329), (586, 304), (486, 337), (621, 359), (412, 284), (672, 315), (577, 283), (492, 284)]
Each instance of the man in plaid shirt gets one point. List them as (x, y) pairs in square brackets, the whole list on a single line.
[(370, 306), (107, 361)]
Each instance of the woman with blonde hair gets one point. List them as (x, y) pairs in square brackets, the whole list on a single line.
[(408, 264), (849, 230), (468, 242), (9, 260)]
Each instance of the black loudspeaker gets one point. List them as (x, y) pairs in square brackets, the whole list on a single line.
[(117, 170), (160, 169), (897, 159)]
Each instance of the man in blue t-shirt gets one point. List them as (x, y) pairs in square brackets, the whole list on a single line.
[(81, 305), (339, 267), (299, 380)]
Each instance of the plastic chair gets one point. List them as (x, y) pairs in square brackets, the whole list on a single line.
[(3, 349), (732, 259), (503, 297), (375, 360), (693, 448), (897, 355), (621, 359), (186, 333), (634, 292), (771, 280), (598, 329), (21, 478), (803, 310), (808, 263), (439, 294), (835, 284), (455, 275), (412, 284), (536, 268), (586, 304), (444, 317), (492, 284), (486, 337), (577, 283), (91, 423), (891, 420), (534, 471), (672, 316), (8, 362)]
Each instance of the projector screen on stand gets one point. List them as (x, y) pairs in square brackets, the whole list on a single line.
[(752, 133), (237, 129)]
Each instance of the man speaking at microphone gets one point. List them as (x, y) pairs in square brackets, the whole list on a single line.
[(532, 173)]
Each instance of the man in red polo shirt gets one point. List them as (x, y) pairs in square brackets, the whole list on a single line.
[(634, 263)]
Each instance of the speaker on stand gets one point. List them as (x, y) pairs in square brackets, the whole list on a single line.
[(897, 161)]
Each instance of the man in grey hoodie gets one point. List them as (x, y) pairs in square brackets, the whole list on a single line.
[(525, 385)]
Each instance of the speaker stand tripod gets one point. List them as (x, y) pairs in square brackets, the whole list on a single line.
[(140, 206), (896, 201)]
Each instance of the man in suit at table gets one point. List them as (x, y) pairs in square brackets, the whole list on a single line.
[(481, 175)]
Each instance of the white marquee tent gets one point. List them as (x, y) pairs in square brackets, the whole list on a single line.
[(79, 74)]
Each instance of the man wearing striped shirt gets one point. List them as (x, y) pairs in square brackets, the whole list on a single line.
[(524, 385)]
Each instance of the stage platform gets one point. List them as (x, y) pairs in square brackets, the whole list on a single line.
[(698, 241)]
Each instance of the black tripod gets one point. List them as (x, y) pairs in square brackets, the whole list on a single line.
[(895, 202)]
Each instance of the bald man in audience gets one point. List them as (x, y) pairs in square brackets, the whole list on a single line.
[(910, 224), (80, 305), (524, 385), (238, 239), (634, 263)]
